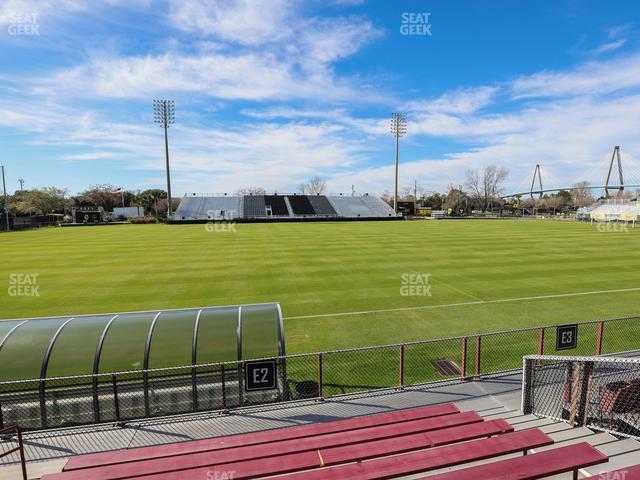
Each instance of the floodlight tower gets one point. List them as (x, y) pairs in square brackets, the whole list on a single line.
[(398, 129), (164, 116), (6, 201)]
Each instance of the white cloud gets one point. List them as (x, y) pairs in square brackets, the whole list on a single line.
[(10, 8), (593, 78), (461, 101), (247, 22), (248, 76)]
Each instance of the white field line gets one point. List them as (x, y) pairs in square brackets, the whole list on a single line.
[(461, 304)]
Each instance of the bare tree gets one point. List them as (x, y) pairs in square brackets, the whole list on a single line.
[(387, 197), (582, 196), (486, 186), (316, 186), (412, 192), (250, 191)]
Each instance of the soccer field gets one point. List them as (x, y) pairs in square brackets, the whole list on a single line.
[(340, 284)]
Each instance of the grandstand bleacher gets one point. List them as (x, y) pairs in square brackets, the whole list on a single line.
[(300, 205), (434, 439), (196, 207), (253, 207), (276, 206), (608, 210), (321, 205)]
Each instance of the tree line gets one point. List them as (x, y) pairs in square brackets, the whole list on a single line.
[(483, 190), (54, 200)]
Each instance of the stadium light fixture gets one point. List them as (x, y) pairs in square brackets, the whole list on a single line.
[(164, 116), (398, 129)]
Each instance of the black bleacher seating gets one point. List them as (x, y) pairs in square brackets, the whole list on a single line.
[(321, 205), (253, 206), (278, 205), (301, 205)]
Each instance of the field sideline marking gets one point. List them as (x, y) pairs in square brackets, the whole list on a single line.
[(461, 304)]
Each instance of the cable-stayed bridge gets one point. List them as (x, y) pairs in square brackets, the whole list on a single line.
[(617, 177)]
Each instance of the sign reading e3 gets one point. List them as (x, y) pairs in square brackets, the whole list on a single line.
[(260, 375), (566, 337)]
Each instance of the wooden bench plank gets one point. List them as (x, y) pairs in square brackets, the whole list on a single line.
[(431, 459), (531, 467), (254, 438), (329, 456), (181, 462)]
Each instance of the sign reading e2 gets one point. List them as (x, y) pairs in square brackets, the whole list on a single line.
[(260, 375), (566, 337)]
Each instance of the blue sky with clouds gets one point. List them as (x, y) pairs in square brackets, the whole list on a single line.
[(271, 93)]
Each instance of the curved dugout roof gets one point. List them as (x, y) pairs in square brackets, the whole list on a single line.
[(90, 344)]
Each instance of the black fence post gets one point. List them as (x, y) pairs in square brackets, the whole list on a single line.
[(116, 403), (43, 404), (224, 390), (463, 368), (1, 417), (478, 347), (194, 387), (320, 381), (401, 366), (526, 386)]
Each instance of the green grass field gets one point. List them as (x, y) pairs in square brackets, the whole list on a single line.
[(484, 275)]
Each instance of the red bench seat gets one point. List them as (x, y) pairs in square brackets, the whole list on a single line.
[(266, 436), (432, 459), (531, 467), (238, 454), (335, 455)]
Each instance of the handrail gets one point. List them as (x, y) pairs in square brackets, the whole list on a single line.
[(19, 448)]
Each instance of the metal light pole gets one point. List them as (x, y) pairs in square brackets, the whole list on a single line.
[(164, 117), (21, 182), (6, 201), (398, 129)]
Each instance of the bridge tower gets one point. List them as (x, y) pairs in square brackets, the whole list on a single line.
[(614, 156), (536, 173)]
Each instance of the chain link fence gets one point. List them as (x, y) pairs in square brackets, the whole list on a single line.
[(123, 396), (597, 392)]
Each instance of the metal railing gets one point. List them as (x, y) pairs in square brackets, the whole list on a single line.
[(598, 392), (119, 397), (9, 436)]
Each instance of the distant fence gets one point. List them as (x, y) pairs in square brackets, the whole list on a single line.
[(33, 221), (123, 396), (601, 393)]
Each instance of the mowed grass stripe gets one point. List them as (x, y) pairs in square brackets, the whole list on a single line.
[(320, 268)]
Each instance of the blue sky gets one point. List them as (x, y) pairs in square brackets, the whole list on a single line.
[(271, 93)]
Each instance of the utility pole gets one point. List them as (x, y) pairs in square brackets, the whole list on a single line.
[(398, 129), (21, 182), (164, 117), (6, 201)]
